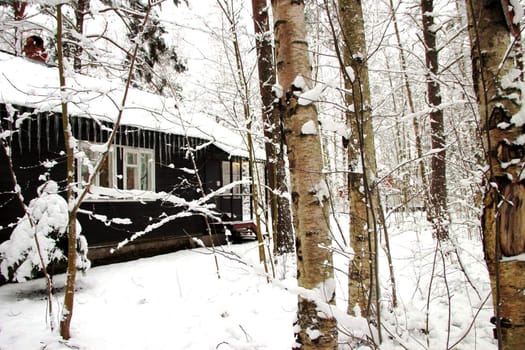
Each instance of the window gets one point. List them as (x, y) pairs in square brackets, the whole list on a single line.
[(231, 172), (127, 168), (139, 169), (105, 178)]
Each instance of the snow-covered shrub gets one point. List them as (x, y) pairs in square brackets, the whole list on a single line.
[(19, 256)]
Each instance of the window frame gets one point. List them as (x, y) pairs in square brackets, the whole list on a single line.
[(117, 168), (231, 171), (85, 148), (150, 167)]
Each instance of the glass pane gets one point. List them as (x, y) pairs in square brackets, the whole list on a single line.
[(246, 189), (225, 173), (131, 158), (144, 173), (131, 175), (104, 176), (84, 174), (86, 162), (236, 170), (236, 176)]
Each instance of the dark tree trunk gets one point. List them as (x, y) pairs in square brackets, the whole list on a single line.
[(81, 7), (437, 206), (275, 169)]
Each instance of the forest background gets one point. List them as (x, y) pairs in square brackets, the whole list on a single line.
[(192, 48)]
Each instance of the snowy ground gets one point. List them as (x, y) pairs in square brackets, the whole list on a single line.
[(176, 301)]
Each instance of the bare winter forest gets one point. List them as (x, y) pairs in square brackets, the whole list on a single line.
[(265, 174)]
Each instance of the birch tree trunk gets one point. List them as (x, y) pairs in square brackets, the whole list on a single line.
[(316, 327), (437, 206), (496, 82), (363, 286)]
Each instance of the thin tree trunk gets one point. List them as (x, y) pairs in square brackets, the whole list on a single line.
[(244, 92), (275, 174), (316, 328), (81, 7), (69, 292), (363, 279), (437, 206), (19, 12), (74, 203), (503, 225), (415, 121)]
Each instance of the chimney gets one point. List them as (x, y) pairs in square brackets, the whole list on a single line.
[(34, 49)]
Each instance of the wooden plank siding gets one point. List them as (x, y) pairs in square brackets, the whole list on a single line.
[(39, 143)]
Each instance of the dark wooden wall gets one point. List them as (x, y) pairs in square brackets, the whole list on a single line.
[(39, 144)]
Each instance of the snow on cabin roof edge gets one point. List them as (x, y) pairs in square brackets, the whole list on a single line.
[(32, 84)]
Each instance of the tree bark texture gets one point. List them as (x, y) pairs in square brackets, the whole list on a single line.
[(275, 171), (69, 291), (437, 206), (362, 282), (80, 11), (503, 222), (19, 13), (316, 329)]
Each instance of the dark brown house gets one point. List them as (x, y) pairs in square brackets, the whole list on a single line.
[(148, 187)]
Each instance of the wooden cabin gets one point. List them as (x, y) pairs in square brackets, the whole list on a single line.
[(148, 185)]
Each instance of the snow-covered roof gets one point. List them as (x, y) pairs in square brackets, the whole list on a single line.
[(32, 84)]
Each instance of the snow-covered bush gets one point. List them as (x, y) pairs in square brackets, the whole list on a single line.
[(19, 256)]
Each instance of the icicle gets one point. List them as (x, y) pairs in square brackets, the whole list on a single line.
[(126, 132), (143, 137), (78, 124), (19, 138), (95, 133), (157, 135), (103, 133), (38, 133), (88, 129), (48, 130), (57, 130), (165, 147), (168, 149), (29, 123), (173, 146)]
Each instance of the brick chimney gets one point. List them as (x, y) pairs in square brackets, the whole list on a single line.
[(34, 49)]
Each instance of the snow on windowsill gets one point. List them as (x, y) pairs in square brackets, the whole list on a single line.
[(105, 194)]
